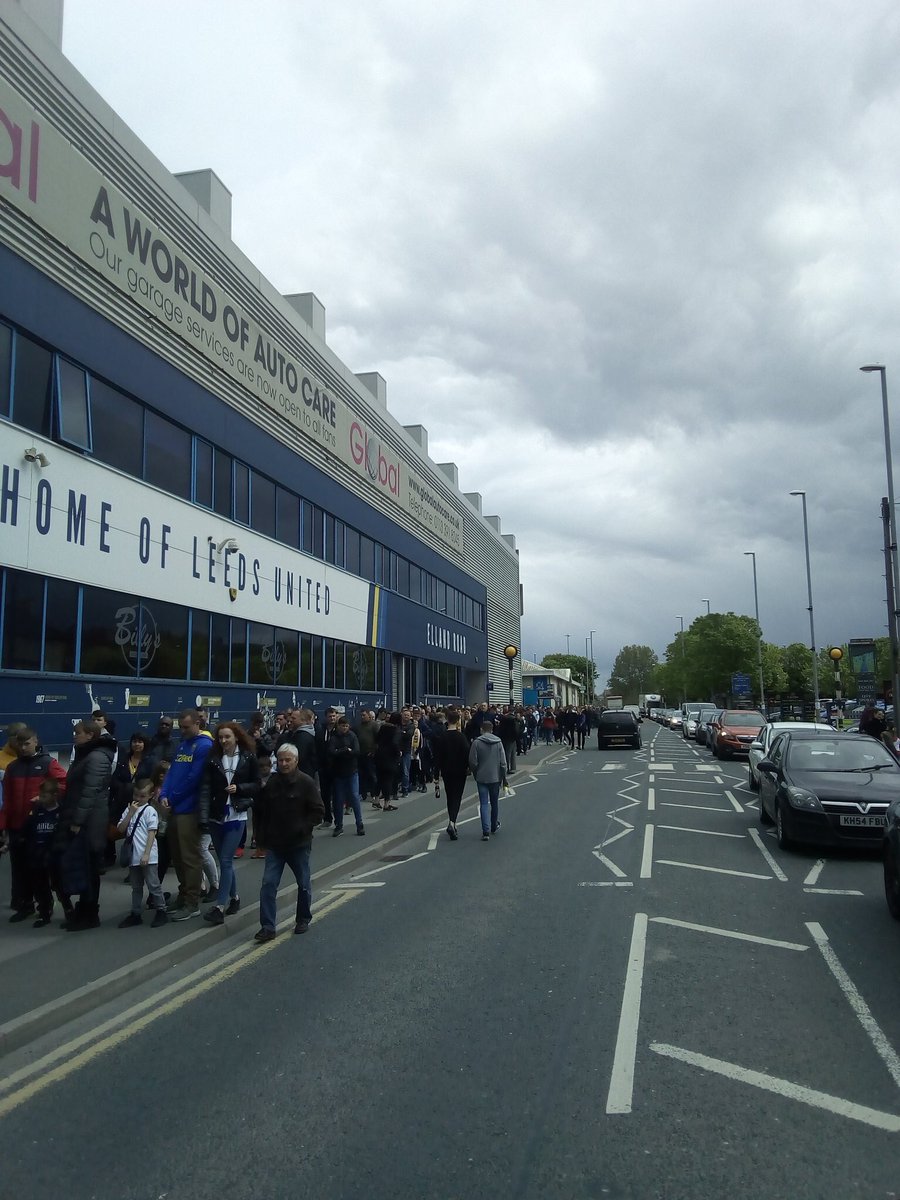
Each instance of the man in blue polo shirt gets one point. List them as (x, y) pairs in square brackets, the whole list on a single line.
[(179, 795)]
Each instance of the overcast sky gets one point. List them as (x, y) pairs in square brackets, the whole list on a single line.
[(623, 260)]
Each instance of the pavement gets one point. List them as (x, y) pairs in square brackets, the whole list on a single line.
[(51, 978)]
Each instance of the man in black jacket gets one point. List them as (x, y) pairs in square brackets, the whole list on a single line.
[(343, 769), (284, 815)]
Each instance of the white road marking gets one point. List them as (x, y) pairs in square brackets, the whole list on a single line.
[(782, 1087), (883, 1047), (833, 892), (658, 766), (813, 877), (753, 834), (674, 791), (735, 804), (704, 767), (607, 883), (719, 779), (715, 870), (608, 862), (613, 767), (701, 807), (387, 866), (647, 856), (433, 840), (651, 800), (729, 933), (347, 887), (707, 832), (621, 1084)]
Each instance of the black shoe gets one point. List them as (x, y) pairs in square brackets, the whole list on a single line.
[(494, 828), (233, 906), (337, 831), (41, 922), (215, 916), (22, 915), (451, 832), (264, 935), (131, 919), (80, 923), (485, 837), (210, 896), (360, 831), (161, 918), (301, 927)]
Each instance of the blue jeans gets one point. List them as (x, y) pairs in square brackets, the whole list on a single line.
[(346, 791), (298, 860), (226, 839), (489, 803), (405, 761)]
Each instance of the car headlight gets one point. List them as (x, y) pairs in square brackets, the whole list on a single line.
[(801, 798)]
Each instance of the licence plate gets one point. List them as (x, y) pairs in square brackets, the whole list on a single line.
[(869, 820)]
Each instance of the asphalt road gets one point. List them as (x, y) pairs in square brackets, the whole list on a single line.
[(628, 992)]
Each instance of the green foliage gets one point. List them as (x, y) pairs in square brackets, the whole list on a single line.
[(633, 672)]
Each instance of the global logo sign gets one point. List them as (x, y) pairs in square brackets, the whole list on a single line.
[(368, 455)]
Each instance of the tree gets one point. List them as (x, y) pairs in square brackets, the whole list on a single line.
[(633, 672), (701, 661), (581, 667)]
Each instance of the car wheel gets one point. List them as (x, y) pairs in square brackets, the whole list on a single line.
[(752, 781), (784, 842), (891, 884)]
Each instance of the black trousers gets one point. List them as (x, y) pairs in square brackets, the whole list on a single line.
[(453, 789), (22, 894), (45, 884)]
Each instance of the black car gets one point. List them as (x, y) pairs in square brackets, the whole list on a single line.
[(891, 853), (617, 728), (827, 789)]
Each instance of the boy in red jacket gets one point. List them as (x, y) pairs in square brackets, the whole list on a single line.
[(21, 784)]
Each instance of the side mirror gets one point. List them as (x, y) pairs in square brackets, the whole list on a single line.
[(767, 767), (756, 745)]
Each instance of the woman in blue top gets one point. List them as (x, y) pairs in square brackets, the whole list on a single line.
[(230, 785)]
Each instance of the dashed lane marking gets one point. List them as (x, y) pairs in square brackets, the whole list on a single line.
[(813, 877), (832, 892), (735, 804)]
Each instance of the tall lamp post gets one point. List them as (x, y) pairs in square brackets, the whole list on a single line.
[(511, 652), (593, 668), (762, 687), (568, 635), (706, 602), (812, 628), (683, 667), (892, 517)]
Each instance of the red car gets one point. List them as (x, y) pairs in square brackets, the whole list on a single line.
[(733, 730)]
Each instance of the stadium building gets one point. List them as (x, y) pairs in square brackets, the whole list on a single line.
[(199, 502)]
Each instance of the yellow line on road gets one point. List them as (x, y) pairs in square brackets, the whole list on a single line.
[(138, 1018)]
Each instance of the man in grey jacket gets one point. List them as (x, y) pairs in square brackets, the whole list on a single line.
[(487, 760)]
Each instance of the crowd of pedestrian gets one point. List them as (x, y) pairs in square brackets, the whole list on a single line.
[(192, 801)]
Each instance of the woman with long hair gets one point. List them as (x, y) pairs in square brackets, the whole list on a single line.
[(85, 815), (388, 751), (230, 785)]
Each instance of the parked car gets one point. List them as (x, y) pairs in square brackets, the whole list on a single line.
[(827, 790), (698, 713), (759, 748), (689, 725), (675, 719), (733, 731), (702, 734), (711, 726), (890, 853), (618, 728)]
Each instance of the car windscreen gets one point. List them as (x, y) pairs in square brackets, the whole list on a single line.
[(749, 720), (839, 754)]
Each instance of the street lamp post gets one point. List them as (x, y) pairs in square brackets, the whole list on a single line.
[(593, 668), (568, 635), (892, 515), (683, 667), (812, 628), (511, 652), (706, 602), (762, 686)]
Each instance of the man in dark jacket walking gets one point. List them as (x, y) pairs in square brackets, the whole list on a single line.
[(343, 764), (285, 813)]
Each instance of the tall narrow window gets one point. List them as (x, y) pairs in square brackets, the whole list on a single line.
[(22, 621), (203, 473), (31, 385), (287, 517), (167, 462), (262, 505), (117, 429), (61, 626), (200, 645), (222, 484), (241, 493), (5, 370), (72, 405)]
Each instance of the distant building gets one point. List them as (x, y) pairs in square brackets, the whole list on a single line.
[(550, 687)]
